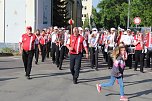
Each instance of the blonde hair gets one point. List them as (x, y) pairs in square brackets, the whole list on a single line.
[(116, 52)]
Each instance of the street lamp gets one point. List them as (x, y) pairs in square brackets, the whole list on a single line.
[(4, 20), (128, 22)]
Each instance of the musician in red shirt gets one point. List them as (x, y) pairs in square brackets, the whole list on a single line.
[(75, 44), (26, 48), (139, 53), (43, 42), (37, 46)]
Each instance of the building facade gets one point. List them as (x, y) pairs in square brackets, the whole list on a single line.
[(17, 14), (86, 10), (74, 8)]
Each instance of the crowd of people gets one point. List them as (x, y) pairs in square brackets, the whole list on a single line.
[(119, 47)]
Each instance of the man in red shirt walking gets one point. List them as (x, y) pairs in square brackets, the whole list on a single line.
[(26, 48), (75, 44)]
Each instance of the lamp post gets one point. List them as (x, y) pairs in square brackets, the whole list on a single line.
[(128, 22), (4, 20)]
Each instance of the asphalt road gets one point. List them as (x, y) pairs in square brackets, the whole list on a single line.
[(50, 84)]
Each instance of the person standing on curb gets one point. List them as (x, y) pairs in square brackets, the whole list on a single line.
[(26, 48)]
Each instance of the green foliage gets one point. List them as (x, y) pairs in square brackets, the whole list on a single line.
[(60, 13), (113, 13), (7, 50)]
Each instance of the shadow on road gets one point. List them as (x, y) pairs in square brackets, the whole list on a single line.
[(10, 68), (137, 94), (137, 82), (54, 74), (5, 79)]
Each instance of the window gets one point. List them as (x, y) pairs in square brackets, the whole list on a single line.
[(85, 15), (85, 7)]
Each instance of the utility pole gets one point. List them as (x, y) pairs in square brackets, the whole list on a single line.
[(4, 20), (128, 22)]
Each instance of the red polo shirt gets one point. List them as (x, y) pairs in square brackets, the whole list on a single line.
[(43, 40), (138, 46), (28, 41), (78, 43)]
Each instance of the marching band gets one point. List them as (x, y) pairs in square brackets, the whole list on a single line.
[(53, 41)]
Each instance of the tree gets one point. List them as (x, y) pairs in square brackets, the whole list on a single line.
[(113, 13), (60, 13)]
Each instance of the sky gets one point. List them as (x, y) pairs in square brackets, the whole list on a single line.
[(95, 3)]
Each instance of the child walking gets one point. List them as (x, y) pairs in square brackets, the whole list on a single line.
[(117, 71)]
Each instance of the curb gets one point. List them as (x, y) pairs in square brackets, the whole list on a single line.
[(6, 54)]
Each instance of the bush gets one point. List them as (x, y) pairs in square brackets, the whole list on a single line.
[(7, 50)]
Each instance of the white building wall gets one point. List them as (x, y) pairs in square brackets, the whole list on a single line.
[(30, 13), (14, 20), (22, 13), (1, 20), (88, 10)]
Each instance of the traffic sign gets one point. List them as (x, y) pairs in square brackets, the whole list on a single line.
[(137, 20)]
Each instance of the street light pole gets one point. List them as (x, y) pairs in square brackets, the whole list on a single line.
[(4, 21), (128, 22)]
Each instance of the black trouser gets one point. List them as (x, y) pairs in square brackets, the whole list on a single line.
[(43, 51), (53, 51), (148, 57), (36, 52), (48, 49), (27, 57), (75, 63), (110, 61), (139, 58), (129, 59), (94, 57), (60, 56), (105, 55), (66, 51)]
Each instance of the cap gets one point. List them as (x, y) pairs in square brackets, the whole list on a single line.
[(112, 29), (94, 29), (122, 30), (86, 28), (63, 28), (80, 28), (125, 33), (128, 30), (55, 27), (29, 27)]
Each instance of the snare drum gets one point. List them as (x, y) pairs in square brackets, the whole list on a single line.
[(131, 50)]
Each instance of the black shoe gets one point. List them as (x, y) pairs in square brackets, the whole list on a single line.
[(135, 69), (96, 69), (60, 69), (28, 77), (42, 60), (75, 80), (142, 71), (130, 67), (57, 66), (36, 62), (109, 67)]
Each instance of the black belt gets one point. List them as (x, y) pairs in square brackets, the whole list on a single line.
[(28, 51)]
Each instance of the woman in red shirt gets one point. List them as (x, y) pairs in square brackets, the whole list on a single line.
[(139, 53)]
